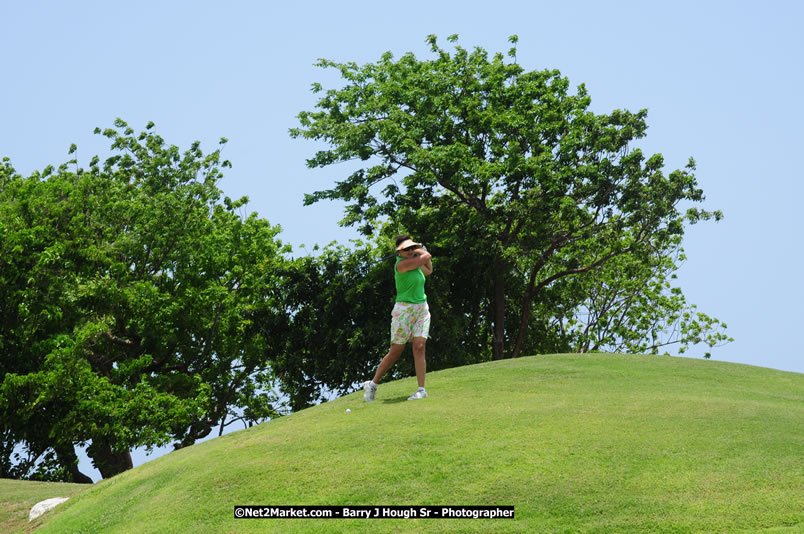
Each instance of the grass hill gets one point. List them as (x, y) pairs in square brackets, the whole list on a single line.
[(577, 443), (17, 497)]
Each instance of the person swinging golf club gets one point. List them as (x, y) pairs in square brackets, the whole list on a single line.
[(410, 318)]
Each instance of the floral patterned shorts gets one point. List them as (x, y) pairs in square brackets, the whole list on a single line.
[(409, 320)]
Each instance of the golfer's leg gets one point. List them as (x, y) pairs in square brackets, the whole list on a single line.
[(390, 359), (419, 360)]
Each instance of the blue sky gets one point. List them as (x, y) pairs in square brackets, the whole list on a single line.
[(722, 81)]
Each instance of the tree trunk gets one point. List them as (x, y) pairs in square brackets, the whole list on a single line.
[(69, 460), (498, 345), (524, 318), (108, 462)]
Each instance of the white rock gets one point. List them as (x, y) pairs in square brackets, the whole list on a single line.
[(42, 507)]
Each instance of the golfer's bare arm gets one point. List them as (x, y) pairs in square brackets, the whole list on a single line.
[(422, 260), (427, 268)]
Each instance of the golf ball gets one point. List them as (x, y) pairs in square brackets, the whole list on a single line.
[(348, 410)]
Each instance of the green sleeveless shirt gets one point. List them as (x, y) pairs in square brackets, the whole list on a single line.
[(409, 285)]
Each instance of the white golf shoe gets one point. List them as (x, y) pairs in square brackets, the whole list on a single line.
[(369, 389), (420, 394)]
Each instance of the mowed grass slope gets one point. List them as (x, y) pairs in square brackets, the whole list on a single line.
[(577, 443), (17, 497)]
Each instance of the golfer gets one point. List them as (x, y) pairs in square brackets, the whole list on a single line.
[(410, 318)]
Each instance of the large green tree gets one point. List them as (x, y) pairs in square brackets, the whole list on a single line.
[(630, 305), (337, 305), (511, 176), (137, 306)]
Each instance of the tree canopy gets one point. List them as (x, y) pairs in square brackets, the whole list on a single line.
[(137, 307), (535, 199)]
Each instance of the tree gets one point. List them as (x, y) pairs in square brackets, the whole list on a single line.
[(544, 189), (337, 305), (137, 307), (631, 306)]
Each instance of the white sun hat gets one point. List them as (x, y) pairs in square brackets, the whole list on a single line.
[(407, 243)]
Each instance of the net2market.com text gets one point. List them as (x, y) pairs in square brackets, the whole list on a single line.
[(374, 512)]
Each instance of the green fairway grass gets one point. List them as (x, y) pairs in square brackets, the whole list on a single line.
[(17, 497), (576, 443)]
